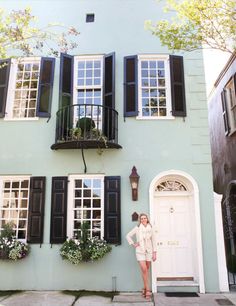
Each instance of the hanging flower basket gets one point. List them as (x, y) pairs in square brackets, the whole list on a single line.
[(85, 248), (10, 248)]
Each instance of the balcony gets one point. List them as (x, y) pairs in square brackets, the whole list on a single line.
[(86, 126)]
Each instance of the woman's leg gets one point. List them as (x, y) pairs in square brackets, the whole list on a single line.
[(144, 266), (148, 264)]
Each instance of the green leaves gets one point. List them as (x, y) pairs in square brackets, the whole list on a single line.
[(85, 248), (197, 24), (18, 31), (10, 248)]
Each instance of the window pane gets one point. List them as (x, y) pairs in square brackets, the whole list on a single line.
[(87, 193), (78, 193), (77, 214), (21, 234), (96, 203), (96, 183), (97, 64), (24, 203), (97, 193), (77, 203), (144, 64), (87, 203), (89, 64), (78, 183), (87, 214), (153, 64)]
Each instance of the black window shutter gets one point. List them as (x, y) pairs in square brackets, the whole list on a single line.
[(65, 116), (66, 79), (36, 209), (58, 209), (112, 215), (46, 78), (225, 112), (5, 66), (177, 86), (130, 86), (109, 123)]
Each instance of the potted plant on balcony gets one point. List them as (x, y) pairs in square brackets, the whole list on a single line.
[(85, 248), (86, 129), (86, 124), (10, 247)]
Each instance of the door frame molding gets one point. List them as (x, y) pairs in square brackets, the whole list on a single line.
[(192, 185)]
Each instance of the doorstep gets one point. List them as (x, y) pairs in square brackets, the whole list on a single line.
[(177, 286)]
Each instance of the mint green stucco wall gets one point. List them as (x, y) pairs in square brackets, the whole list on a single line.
[(152, 146)]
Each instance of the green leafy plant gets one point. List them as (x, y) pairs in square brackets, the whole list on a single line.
[(86, 124), (10, 247), (84, 248), (75, 133)]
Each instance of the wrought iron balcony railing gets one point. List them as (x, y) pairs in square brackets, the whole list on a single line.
[(86, 126)]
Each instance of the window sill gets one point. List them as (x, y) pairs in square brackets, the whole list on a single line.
[(156, 118)]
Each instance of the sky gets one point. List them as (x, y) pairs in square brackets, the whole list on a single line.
[(214, 62)]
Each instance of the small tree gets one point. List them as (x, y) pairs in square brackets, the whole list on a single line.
[(18, 31), (198, 24)]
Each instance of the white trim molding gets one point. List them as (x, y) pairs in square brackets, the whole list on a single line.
[(221, 259), (190, 182)]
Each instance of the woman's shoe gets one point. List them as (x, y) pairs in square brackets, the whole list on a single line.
[(144, 292), (148, 294)]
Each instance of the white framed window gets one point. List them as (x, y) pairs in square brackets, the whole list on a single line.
[(86, 204), (154, 87), (14, 203), (23, 88), (230, 97), (88, 88)]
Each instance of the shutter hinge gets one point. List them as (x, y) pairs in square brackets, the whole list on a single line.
[(49, 118)]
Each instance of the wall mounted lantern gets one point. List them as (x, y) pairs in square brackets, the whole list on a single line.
[(134, 179)]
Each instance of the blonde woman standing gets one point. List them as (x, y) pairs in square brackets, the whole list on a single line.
[(145, 248)]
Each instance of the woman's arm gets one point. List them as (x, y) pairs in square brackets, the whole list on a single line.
[(130, 235)]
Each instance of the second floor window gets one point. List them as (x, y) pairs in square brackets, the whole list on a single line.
[(228, 98), (153, 87), (25, 82), (87, 96), (89, 88), (26, 87)]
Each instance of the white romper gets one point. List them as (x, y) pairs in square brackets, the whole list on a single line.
[(146, 237)]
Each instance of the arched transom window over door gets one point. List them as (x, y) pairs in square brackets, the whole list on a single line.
[(170, 185)]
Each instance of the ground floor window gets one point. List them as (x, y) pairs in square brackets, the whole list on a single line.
[(14, 203), (86, 204)]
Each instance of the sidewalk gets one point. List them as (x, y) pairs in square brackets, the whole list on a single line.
[(60, 298)]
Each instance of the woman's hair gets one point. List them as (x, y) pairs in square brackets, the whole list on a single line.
[(145, 215)]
